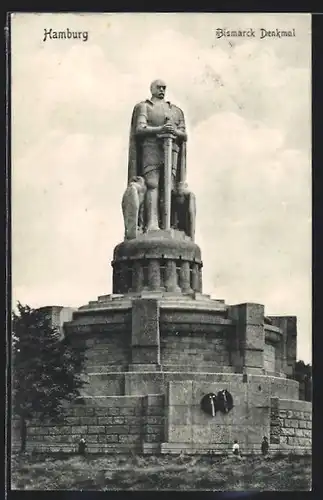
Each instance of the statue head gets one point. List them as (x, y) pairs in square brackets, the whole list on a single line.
[(139, 183), (158, 89)]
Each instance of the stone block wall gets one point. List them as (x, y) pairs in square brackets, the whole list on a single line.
[(291, 424), (198, 351), (107, 352), (104, 384), (153, 422), (120, 424), (107, 424), (15, 434)]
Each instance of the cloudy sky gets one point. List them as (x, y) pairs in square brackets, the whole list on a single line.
[(247, 105)]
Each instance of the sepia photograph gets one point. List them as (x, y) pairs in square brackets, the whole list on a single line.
[(161, 227)]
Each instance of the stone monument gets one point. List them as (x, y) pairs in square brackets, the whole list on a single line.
[(171, 370)]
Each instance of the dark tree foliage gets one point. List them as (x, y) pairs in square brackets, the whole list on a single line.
[(303, 374), (46, 370)]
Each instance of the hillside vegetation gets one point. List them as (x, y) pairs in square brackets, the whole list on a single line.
[(121, 472)]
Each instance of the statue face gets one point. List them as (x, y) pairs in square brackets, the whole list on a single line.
[(158, 89)]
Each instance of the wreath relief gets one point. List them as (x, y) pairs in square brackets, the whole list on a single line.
[(211, 403), (208, 404)]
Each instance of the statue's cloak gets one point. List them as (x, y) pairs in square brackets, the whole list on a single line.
[(135, 155)]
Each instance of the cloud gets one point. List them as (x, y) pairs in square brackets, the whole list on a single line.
[(247, 108)]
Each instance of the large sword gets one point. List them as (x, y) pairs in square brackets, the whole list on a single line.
[(168, 150)]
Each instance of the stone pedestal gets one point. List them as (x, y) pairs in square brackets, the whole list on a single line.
[(157, 261)]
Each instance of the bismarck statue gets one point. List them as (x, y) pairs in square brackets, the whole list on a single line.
[(157, 196)]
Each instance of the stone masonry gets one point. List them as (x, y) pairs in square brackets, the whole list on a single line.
[(291, 424), (113, 424)]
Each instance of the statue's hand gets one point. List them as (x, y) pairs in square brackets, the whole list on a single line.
[(168, 128)]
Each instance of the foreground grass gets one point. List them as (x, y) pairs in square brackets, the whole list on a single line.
[(160, 473)]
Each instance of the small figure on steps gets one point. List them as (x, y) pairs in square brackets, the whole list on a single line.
[(264, 446), (236, 448), (82, 446)]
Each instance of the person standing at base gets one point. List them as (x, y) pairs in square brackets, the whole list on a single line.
[(236, 448), (82, 446), (264, 446)]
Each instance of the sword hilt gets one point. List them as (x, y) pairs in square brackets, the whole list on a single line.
[(166, 135)]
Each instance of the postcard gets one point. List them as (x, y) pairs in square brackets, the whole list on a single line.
[(161, 251)]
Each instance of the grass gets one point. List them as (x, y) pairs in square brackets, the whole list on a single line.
[(120, 472)]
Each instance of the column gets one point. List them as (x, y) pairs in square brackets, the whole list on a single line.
[(200, 278), (171, 277), (123, 288), (144, 265), (153, 274), (137, 276), (115, 284), (185, 277), (162, 269), (195, 277)]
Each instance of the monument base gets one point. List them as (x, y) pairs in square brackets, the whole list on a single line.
[(150, 361), (174, 423)]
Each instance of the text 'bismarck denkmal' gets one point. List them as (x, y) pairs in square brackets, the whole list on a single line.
[(254, 33)]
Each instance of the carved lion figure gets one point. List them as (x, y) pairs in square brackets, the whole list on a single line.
[(132, 207), (184, 210)]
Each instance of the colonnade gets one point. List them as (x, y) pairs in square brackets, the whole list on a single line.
[(156, 274)]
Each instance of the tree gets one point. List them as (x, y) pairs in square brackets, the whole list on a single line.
[(303, 374), (46, 371)]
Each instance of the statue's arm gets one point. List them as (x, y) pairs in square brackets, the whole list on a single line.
[(180, 130), (141, 126)]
